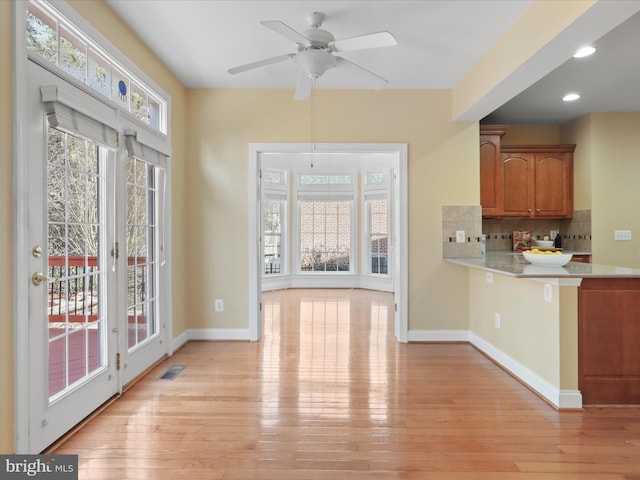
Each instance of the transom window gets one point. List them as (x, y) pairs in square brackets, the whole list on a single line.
[(56, 40)]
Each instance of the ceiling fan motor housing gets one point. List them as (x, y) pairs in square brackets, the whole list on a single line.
[(318, 38), (315, 62)]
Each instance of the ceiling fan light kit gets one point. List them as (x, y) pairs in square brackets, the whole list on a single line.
[(315, 52)]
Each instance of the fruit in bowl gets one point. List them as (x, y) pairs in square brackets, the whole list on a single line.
[(547, 258)]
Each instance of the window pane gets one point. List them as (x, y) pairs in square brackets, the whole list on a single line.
[(139, 105), (374, 178), (325, 235), (99, 75), (273, 212), (378, 235), (120, 89), (142, 234), (73, 55), (273, 176), (42, 36)]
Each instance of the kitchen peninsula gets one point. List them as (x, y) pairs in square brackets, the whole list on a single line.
[(570, 333)]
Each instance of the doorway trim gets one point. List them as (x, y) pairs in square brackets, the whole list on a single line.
[(400, 227)]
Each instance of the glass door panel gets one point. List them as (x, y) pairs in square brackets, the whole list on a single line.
[(142, 263), (75, 224)]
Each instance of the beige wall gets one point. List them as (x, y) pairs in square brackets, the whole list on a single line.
[(615, 192), (6, 231), (578, 132), (541, 336), (443, 169), (529, 332)]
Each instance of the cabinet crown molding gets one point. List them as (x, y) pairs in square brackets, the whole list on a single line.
[(562, 148)]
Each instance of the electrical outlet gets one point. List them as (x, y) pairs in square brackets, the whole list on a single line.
[(622, 235), (460, 237), (489, 277), (548, 293), (219, 305), (498, 321)]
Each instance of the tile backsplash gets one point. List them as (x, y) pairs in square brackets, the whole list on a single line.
[(461, 217), (575, 232)]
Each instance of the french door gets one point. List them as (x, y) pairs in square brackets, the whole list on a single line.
[(94, 232)]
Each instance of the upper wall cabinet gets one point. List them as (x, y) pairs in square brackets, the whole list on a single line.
[(491, 169), (537, 181), (524, 180)]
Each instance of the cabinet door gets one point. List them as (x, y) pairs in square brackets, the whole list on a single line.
[(553, 185), (517, 184), (490, 175)]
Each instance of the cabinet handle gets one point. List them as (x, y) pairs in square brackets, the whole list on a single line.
[(538, 210), (529, 210)]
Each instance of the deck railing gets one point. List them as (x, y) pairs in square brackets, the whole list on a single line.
[(77, 296)]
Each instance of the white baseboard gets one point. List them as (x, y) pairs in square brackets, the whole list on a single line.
[(570, 399), (561, 399), (210, 334), (438, 336), (179, 341), (219, 334)]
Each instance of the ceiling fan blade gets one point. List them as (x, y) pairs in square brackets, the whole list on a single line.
[(260, 63), (379, 82), (304, 88), (361, 42), (286, 31)]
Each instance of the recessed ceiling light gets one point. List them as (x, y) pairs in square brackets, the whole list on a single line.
[(570, 97), (584, 52)]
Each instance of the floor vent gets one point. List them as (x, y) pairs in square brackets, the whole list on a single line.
[(172, 372)]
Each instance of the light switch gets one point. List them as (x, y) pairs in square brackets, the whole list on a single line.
[(460, 236)]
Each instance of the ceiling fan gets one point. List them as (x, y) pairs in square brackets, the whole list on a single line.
[(315, 55)]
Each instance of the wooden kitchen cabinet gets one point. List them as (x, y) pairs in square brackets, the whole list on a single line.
[(608, 332), (537, 181), (491, 169)]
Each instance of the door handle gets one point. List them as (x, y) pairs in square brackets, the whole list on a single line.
[(38, 278)]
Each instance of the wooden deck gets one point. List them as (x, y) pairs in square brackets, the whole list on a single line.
[(329, 394)]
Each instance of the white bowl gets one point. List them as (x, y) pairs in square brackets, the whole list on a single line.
[(550, 260), (544, 243)]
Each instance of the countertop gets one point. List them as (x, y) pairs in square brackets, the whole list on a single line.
[(514, 265)]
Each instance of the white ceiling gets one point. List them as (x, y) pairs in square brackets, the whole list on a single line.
[(438, 42)]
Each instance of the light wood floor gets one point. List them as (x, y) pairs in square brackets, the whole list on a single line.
[(329, 394)]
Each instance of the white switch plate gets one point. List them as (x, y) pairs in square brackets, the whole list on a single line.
[(548, 293), (622, 235), (219, 305), (489, 277), (460, 236), (498, 320)]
